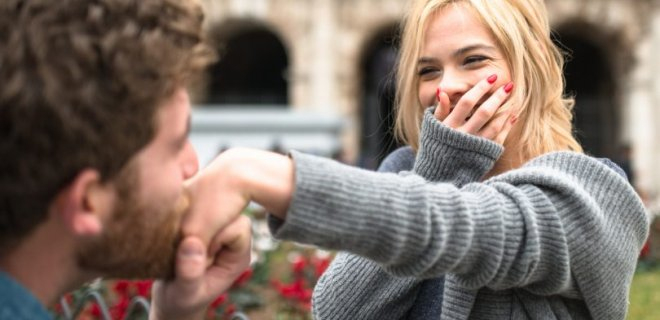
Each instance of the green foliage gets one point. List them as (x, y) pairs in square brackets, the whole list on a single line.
[(645, 294)]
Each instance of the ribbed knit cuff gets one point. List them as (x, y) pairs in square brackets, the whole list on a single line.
[(446, 154), (302, 224)]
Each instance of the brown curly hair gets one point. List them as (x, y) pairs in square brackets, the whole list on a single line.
[(80, 83)]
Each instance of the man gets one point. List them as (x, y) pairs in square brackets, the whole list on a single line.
[(94, 152)]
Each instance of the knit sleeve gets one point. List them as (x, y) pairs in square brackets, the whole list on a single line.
[(448, 155), (354, 287), (562, 217)]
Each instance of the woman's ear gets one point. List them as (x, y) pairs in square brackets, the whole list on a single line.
[(84, 205)]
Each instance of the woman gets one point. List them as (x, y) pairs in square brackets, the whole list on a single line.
[(437, 25), (531, 229)]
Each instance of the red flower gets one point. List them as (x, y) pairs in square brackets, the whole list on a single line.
[(230, 309), (95, 310), (295, 290), (320, 265), (243, 278), (299, 265), (219, 301), (646, 249), (121, 287), (118, 311), (144, 287)]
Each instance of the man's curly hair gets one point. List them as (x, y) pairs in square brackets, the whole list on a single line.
[(80, 83)]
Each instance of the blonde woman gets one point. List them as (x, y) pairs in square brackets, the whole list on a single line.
[(502, 209), (539, 101)]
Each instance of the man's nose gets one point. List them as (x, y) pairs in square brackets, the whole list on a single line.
[(189, 161)]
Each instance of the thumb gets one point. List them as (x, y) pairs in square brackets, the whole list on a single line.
[(191, 259)]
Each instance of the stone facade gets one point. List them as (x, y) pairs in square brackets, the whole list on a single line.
[(327, 42)]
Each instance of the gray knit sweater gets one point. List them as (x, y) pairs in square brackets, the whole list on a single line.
[(557, 238)]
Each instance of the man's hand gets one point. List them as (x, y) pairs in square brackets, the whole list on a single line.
[(202, 275)]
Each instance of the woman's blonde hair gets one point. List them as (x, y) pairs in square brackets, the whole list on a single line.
[(522, 31)]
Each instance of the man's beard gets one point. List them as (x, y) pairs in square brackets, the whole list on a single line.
[(139, 241)]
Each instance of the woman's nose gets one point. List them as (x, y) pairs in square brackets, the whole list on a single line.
[(454, 85)]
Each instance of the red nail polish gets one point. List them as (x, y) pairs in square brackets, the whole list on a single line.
[(492, 79), (437, 94), (508, 87)]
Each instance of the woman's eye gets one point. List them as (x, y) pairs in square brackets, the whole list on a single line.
[(474, 59), (427, 72)]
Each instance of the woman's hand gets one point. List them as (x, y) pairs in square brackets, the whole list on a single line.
[(480, 119)]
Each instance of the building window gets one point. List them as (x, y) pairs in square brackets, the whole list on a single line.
[(589, 79), (251, 71)]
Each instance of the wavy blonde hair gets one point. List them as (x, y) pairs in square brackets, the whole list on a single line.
[(521, 29)]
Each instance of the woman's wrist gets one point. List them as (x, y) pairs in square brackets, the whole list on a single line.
[(264, 177)]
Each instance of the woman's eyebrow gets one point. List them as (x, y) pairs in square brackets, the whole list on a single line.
[(457, 53), (427, 60), (472, 47)]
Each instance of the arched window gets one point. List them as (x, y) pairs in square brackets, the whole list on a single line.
[(252, 70), (590, 80), (378, 87)]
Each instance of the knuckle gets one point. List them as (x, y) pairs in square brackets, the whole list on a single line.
[(450, 124), (244, 224), (488, 133), (484, 113), (469, 100), (485, 85)]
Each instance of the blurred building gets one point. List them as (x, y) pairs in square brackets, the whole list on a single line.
[(317, 75)]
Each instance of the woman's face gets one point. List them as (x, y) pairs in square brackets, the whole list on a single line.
[(458, 51)]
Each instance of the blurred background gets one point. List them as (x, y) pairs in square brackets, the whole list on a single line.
[(317, 76)]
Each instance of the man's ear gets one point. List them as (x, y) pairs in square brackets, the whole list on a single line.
[(85, 203)]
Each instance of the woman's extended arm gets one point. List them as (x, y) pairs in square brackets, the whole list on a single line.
[(354, 286)]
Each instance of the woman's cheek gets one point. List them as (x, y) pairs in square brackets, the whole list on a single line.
[(427, 95)]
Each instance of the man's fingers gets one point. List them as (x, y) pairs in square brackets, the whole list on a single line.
[(190, 261), (233, 257), (215, 204), (185, 294), (235, 244)]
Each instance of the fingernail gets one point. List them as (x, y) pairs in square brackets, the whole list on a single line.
[(437, 94), (191, 250), (492, 79), (508, 87)]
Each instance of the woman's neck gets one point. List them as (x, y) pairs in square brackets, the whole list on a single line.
[(510, 159)]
